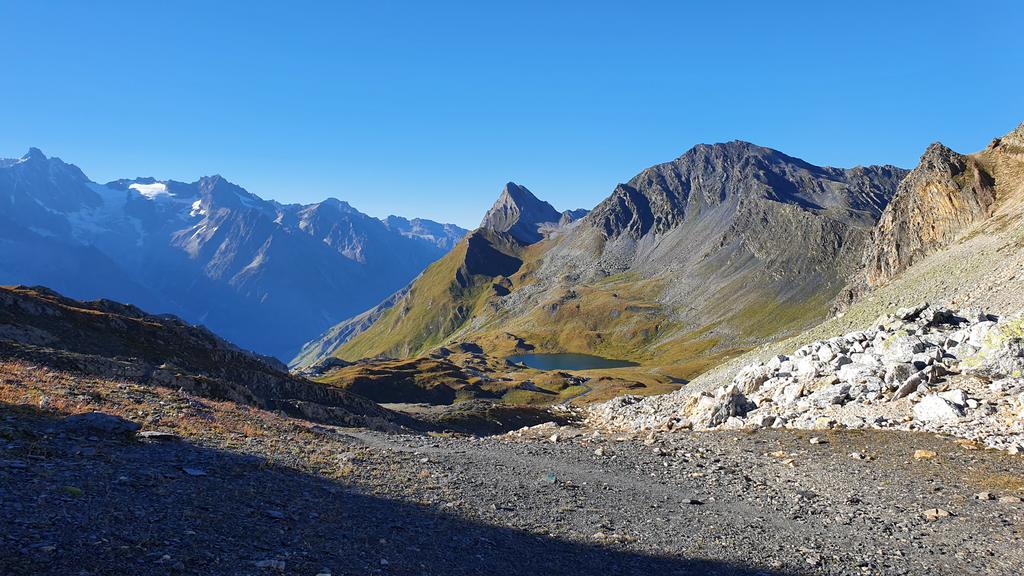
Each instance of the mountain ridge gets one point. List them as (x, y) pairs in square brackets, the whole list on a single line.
[(264, 274), (645, 272)]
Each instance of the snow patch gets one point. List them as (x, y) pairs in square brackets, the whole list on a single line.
[(151, 191)]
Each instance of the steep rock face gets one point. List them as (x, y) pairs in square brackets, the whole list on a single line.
[(265, 275), (34, 183), (112, 340), (520, 214), (943, 196)]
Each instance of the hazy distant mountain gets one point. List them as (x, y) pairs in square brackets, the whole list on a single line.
[(443, 236), (265, 275)]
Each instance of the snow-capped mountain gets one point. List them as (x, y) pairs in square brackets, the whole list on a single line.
[(267, 276)]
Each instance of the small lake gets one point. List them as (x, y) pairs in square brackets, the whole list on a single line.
[(568, 361)]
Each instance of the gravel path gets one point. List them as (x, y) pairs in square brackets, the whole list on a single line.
[(297, 498)]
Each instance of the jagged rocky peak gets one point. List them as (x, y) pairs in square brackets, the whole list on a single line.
[(34, 154), (708, 176), (47, 183), (1011, 143), (520, 214), (936, 202)]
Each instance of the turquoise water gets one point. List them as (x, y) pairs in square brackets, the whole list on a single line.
[(568, 361)]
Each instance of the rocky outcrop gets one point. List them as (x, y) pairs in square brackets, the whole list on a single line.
[(938, 201), (520, 214), (921, 368), (111, 340)]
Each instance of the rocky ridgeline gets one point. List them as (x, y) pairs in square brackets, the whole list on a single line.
[(924, 368)]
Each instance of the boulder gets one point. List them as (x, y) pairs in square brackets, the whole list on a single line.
[(977, 335), (908, 386), (776, 361), (1002, 356), (901, 348), (831, 395), (910, 313), (825, 353), (711, 411), (898, 373), (789, 394), (760, 421), (935, 408), (854, 372), (957, 397), (99, 423), (750, 378)]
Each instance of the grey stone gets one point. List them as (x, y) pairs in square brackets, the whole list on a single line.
[(98, 422)]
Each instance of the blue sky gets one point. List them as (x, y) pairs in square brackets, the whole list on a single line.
[(427, 108)]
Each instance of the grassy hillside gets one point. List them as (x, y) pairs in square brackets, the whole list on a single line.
[(440, 301)]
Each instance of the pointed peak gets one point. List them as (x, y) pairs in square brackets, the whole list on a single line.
[(34, 154), (217, 182), (517, 193), (938, 153), (338, 204), (520, 213)]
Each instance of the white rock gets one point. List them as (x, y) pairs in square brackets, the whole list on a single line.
[(790, 394), (825, 353), (958, 397), (854, 372), (935, 408), (806, 367)]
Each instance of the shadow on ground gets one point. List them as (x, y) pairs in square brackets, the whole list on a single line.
[(104, 504)]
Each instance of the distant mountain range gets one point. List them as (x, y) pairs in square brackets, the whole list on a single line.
[(688, 263), (265, 275)]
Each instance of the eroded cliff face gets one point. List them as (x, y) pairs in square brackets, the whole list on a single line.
[(934, 205)]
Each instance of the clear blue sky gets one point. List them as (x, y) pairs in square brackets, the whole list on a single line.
[(427, 108)]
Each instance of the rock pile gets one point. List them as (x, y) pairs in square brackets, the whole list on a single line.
[(923, 368)]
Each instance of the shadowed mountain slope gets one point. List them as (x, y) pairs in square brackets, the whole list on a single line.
[(111, 340)]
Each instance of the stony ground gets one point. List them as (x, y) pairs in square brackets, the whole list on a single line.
[(922, 368), (234, 490)]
